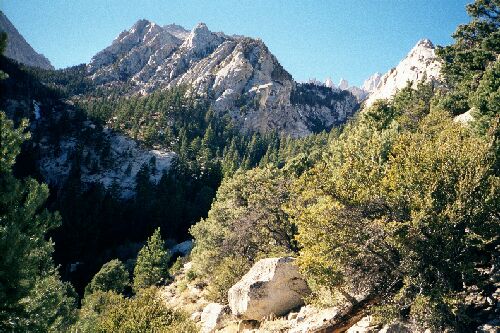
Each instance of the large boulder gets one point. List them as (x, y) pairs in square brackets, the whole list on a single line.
[(271, 286)]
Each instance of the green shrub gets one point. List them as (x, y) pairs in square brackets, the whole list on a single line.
[(113, 276), (176, 266), (146, 312)]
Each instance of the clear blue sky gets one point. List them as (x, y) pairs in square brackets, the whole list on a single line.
[(342, 38)]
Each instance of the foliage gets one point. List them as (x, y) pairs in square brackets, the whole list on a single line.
[(307, 94), (32, 297), (246, 222), (146, 312), (403, 204), (151, 266), (465, 62), (113, 276), (67, 81), (486, 99), (176, 266), (97, 221)]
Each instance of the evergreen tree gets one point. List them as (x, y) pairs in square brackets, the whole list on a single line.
[(477, 45), (32, 296), (151, 266)]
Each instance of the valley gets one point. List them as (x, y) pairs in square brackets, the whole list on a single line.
[(183, 180)]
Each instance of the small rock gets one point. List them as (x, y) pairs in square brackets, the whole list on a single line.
[(396, 327), (211, 317), (247, 325), (311, 319), (365, 325), (196, 316), (182, 248)]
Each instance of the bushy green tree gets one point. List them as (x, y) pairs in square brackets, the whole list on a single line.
[(113, 276), (151, 266), (246, 222), (32, 296), (399, 207)]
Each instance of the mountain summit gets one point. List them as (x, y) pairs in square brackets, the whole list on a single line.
[(19, 49), (239, 75), (421, 62)]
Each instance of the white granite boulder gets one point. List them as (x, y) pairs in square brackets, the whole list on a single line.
[(271, 286)]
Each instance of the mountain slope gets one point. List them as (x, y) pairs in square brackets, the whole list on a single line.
[(18, 49), (421, 62), (239, 75)]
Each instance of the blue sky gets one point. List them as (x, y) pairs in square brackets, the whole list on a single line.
[(344, 38)]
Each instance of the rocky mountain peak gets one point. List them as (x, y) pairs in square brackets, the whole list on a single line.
[(343, 84), (239, 75), (201, 38), (372, 82), (140, 25), (420, 63), (145, 41), (329, 83), (142, 31), (425, 43), (177, 31), (19, 49), (200, 27)]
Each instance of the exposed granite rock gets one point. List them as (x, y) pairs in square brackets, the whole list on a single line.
[(212, 317), (465, 117), (105, 156), (273, 286), (364, 325), (177, 31), (144, 46), (372, 82)]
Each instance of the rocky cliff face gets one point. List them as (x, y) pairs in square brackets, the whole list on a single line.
[(421, 63), (60, 135), (238, 74), (18, 49)]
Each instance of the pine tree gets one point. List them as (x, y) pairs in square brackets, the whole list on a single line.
[(151, 267), (32, 296)]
